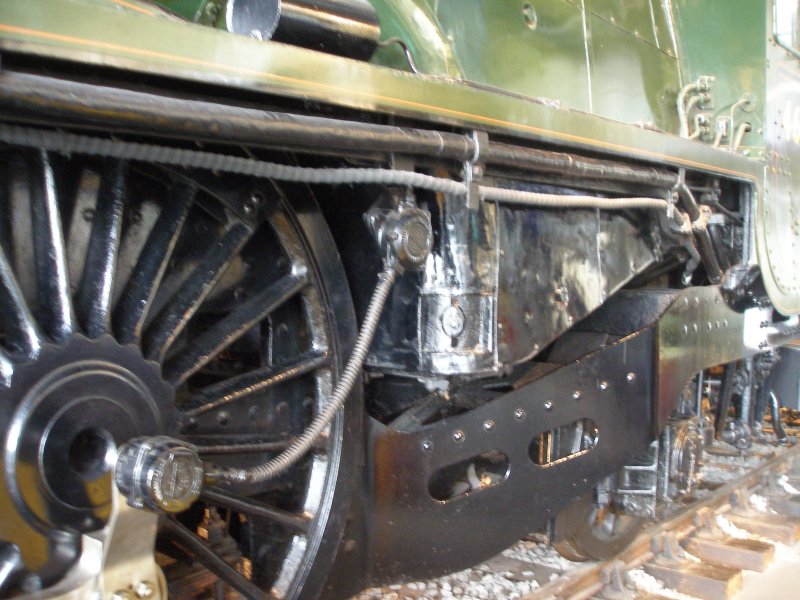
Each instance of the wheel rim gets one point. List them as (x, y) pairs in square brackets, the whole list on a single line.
[(199, 305)]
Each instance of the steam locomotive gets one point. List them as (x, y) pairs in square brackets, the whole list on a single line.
[(301, 296)]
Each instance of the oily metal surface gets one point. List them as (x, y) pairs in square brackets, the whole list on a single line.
[(556, 267), (610, 387)]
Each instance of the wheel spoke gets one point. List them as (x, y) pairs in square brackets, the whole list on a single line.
[(215, 339), (5, 210), (17, 321), (208, 558), (176, 314), (245, 448), (235, 443), (226, 499), (141, 288), (55, 305), (97, 286), (235, 388), (6, 369)]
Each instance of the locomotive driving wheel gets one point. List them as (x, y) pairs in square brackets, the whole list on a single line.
[(136, 301)]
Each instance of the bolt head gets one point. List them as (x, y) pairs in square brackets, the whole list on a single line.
[(458, 436), (519, 414), (453, 321), (144, 590)]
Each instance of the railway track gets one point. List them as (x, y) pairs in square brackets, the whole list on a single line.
[(727, 540)]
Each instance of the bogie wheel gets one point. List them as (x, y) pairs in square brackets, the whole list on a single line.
[(585, 530), (137, 301)]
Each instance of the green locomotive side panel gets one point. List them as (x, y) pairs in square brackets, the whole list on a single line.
[(415, 23), (538, 52), (567, 51), (648, 89), (634, 17)]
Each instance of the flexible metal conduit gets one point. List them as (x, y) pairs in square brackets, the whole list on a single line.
[(305, 440), (72, 143), (539, 200), (164, 155)]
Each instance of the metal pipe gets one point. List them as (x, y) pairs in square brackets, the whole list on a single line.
[(703, 238), (344, 27), (777, 425), (724, 402), (82, 104), (568, 164), (699, 401), (683, 111), (737, 139)]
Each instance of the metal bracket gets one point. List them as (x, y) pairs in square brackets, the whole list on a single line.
[(406, 515), (117, 562), (617, 584), (474, 170)]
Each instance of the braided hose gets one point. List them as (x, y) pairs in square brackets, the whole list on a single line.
[(564, 201), (164, 155), (305, 440), (81, 144)]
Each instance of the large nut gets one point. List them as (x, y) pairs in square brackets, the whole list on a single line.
[(159, 473)]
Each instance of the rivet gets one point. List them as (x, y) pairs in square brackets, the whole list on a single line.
[(427, 446), (603, 385), (548, 405), (458, 436), (488, 425), (630, 377), (576, 395), (519, 414)]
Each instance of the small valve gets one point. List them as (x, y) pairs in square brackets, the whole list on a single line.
[(159, 473)]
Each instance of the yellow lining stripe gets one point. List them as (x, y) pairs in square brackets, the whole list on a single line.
[(140, 9)]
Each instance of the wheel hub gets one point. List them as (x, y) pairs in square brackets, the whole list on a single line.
[(75, 404)]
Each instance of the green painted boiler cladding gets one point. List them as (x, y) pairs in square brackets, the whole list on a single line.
[(299, 297)]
